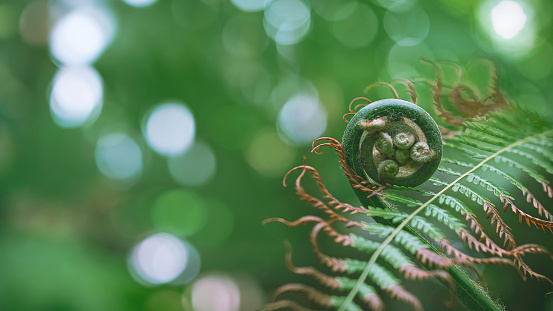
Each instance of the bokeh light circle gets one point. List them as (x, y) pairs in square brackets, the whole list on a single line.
[(81, 36), (160, 258), (401, 60), (407, 28), (194, 167), (192, 268), (359, 29), (218, 227), (215, 293), (508, 19), (287, 21), (76, 96), (396, 5), (244, 37), (335, 10), (511, 27), (268, 154), (288, 87), (302, 119), (180, 212), (139, 3), (118, 156), (170, 129), (251, 5)]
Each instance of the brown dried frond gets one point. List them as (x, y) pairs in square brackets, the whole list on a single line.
[(532, 249), (398, 292), (541, 210), (478, 229), (463, 98), (469, 108), (348, 114), (412, 91), (490, 247), (357, 182), (374, 302), (309, 292), (388, 85), (321, 224), (431, 258), (496, 97), (413, 272), (522, 215), (339, 238), (326, 194), (487, 247), (526, 269), (447, 133), (314, 201), (300, 221), (319, 276), (450, 118), (335, 264), (546, 188), (450, 250), (360, 105), (286, 304), (501, 227)]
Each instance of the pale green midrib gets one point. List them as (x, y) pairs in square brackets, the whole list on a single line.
[(406, 221)]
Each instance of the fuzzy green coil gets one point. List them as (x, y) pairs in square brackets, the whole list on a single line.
[(392, 132)]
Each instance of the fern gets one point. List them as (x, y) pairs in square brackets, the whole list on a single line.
[(417, 222)]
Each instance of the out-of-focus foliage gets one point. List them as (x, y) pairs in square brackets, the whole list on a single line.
[(143, 142)]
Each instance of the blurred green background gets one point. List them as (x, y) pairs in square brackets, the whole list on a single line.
[(143, 142)]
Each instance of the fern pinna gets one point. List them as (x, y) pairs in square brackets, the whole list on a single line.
[(392, 146)]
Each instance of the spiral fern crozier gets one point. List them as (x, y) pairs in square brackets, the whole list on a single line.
[(393, 142)]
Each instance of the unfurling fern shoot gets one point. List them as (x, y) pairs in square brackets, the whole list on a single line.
[(390, 147), (405, 148)]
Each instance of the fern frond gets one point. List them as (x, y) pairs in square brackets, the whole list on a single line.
[(391, 254), (433, 211), (315, 296), (477, 180), (455, 203), (444, 217), (535, 160), (416, 221), (531, 172), (473, 137), (450, 201), (534, 146), (488, 129), (403, 238), (491, 212), (457, 187), (367, 293)]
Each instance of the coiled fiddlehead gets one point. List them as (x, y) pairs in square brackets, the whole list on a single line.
[(393, 142)]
